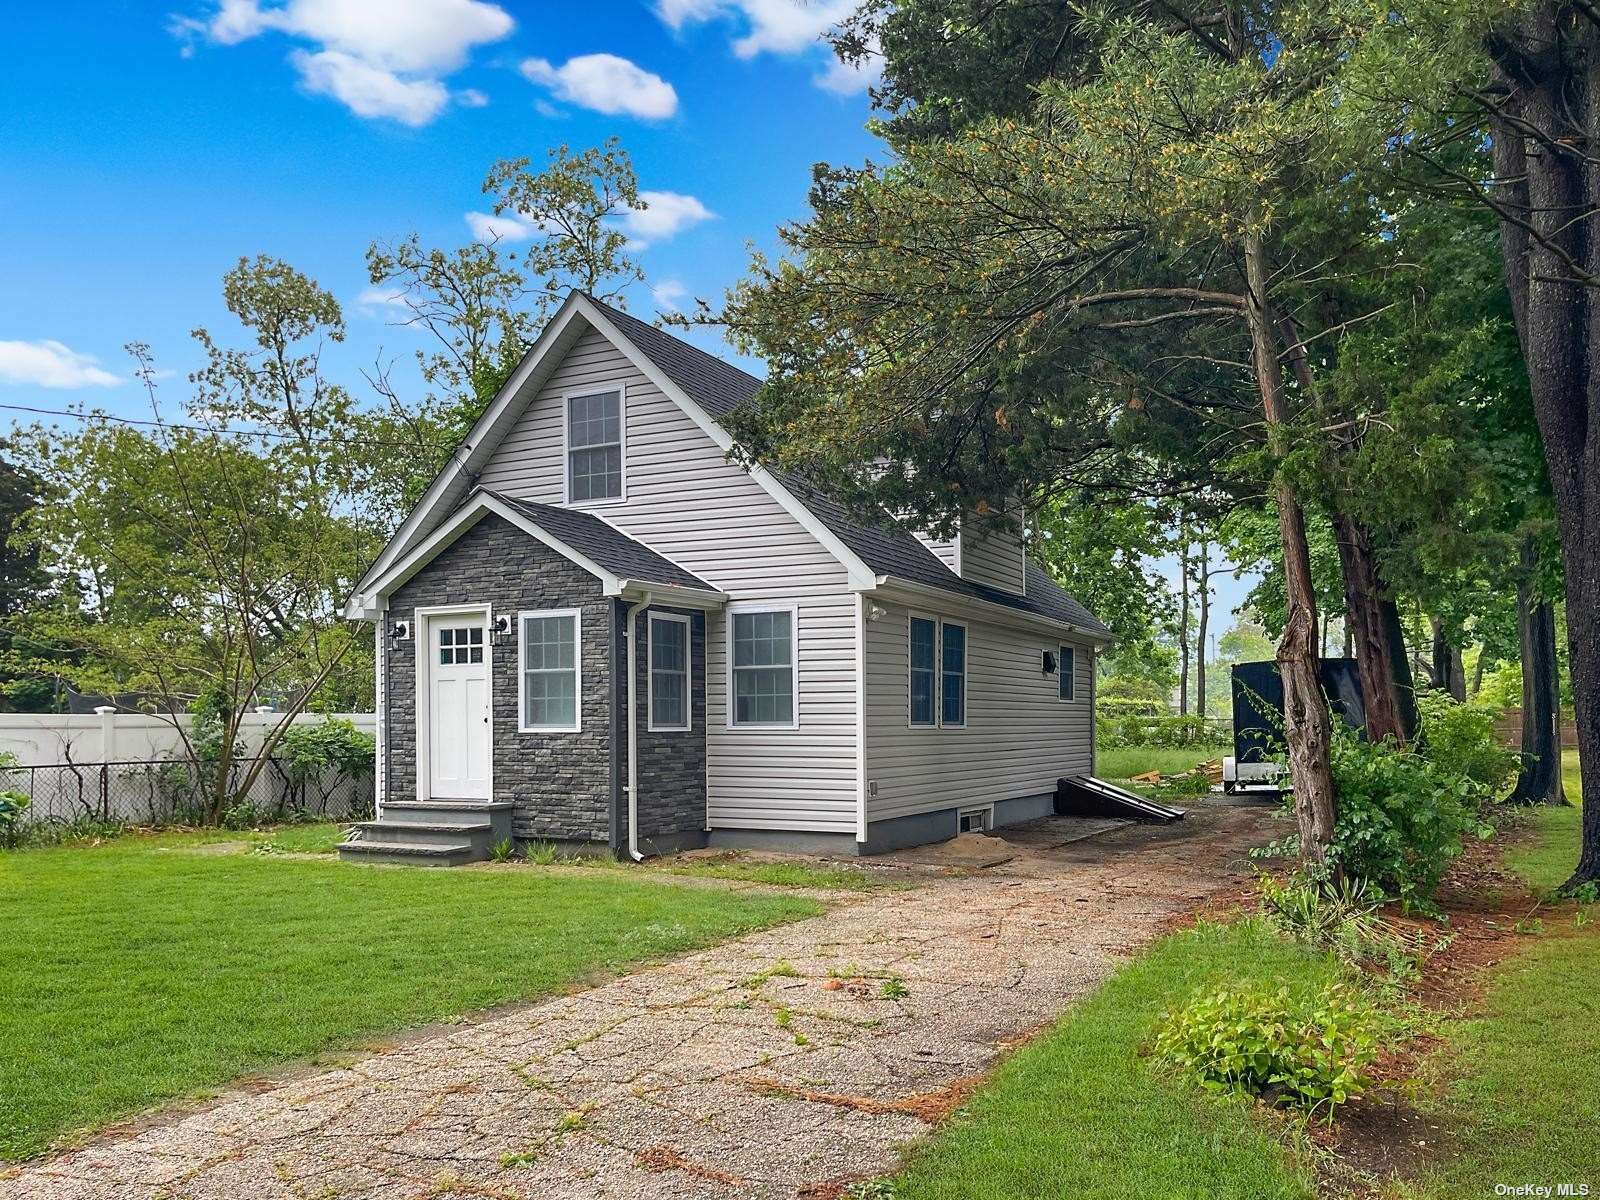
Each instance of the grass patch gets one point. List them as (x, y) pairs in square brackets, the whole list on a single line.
[(1521, 1093), (137, 973), (788, 874), (1546, 860), (1124, 762), (1080, 1112)]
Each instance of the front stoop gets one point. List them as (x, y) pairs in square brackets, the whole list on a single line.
[(429, 833)]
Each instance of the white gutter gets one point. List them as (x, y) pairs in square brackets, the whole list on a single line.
[(633, 729), (895, 590)]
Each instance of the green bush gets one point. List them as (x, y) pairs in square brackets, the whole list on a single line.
[(335, 743), (1342, 918), (1309, 1053), (1163, 732), (1459, 739), (1401, 817)]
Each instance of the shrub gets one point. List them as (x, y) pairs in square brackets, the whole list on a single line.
[(1459, 740), (1309, 1053), (1163, 732), (1401, 817), (335, 743), (1340, 917)]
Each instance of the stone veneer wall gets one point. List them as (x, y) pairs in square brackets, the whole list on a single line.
[(561, 783), (672, 764)]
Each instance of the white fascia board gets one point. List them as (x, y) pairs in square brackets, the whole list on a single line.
[(485, 504), (478, 443), (894, 590), (860, 574), (672, 594)]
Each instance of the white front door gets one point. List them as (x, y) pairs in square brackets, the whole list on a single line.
[(458, 707)]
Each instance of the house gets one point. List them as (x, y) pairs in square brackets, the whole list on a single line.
[(596, 630)]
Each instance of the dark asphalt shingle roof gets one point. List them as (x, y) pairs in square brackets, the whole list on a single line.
[(604, 544), (887, 547)]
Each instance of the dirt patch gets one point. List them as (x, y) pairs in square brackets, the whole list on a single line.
[(931, 1107), (662, 1157)]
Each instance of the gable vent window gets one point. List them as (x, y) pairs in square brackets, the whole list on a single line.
[(594, 446)]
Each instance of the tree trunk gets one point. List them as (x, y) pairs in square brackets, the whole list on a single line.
[(1307, 729), (1183, 624), (1364, 617), (1548, 120), (1448, 673), (1539, 781), (1404, 681), (1204, 580)]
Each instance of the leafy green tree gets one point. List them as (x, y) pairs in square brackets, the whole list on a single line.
[(482, 304), (216, 551)]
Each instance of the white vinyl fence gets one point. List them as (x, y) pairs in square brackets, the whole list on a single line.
[(127, 767)]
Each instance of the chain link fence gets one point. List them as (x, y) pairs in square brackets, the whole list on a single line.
[(178, 792)]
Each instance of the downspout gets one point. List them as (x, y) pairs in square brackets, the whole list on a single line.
[(629, 640)]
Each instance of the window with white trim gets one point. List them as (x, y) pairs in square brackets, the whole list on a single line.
[(953, 673), (1067, 667), (669, 671), (550, 671), (923, 634), (763, 667), (594, 446)]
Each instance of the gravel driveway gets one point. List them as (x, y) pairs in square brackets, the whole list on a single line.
[(778, 1065)]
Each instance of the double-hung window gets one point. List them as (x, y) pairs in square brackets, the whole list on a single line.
[(550, 671), (594, 446), (924, 648), (1068, 667), (763, 667), (669, 672), (953, 673)]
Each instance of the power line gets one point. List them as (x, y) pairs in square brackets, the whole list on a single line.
[(243, 433)]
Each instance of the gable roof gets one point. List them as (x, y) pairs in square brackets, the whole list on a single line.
[(622, 565), (604, 544), (887, 547), (709, 390)]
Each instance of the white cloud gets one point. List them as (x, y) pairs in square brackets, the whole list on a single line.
[(667, 215), (381, 58), (783, 27), (775, 26), (669, 295), (607, 84), (370, 91), (678, 13), (50, 364), (379, 301)]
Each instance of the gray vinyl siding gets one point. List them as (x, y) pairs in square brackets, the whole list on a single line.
[(946, 550), (1020, 737), (993, 557), (687, 502)]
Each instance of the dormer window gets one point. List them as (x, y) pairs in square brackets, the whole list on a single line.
[(594, 446)]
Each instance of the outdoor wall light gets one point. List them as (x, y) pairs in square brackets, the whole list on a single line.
[(1048, 661), (501, 629), (400, 631)]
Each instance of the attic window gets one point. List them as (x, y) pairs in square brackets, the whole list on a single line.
[(594, 446)]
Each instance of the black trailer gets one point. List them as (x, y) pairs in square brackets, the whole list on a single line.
[(1258, 715)]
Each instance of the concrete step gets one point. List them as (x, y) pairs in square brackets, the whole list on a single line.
[(479, 836), (420, 854), (448, 812)]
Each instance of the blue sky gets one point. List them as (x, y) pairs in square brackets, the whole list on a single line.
[(147, 145)]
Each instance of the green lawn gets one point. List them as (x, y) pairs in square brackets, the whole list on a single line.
[(1080, 1112), (148, 968), (1124, 762), (1518, 1078)]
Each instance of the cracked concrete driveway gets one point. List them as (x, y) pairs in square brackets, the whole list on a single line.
[(777, 1065)]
